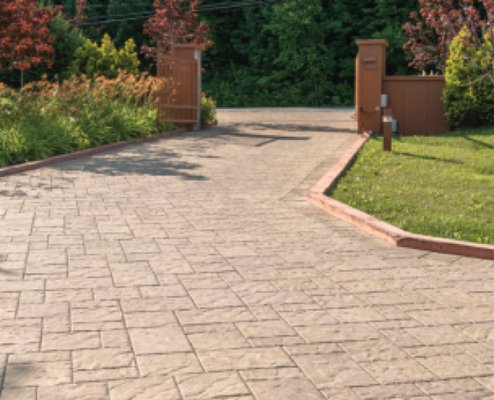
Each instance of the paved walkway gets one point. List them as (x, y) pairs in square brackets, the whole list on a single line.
[(192, 268)]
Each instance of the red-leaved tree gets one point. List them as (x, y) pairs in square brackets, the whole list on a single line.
[(25, 39), (174, 23), (431, 30)]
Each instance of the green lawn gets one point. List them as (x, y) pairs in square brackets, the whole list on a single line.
[(441, 186)]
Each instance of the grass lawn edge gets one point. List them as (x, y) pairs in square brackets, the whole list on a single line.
[(381, 229)]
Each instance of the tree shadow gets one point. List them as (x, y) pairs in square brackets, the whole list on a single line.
[(298, 127), (262, 139), (8, 272), (479, 142), (246, 131), (278, 127), (15, 193), (155, 160), (201, 141), (479, 131), (430, 158), (5, 271), (139, 159), (17, 374)]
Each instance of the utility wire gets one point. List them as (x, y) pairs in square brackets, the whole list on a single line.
[(226, 5), (206, 7), (89, 6), (214, 5), (119, 16)]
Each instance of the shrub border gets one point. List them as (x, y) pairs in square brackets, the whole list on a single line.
[(29, 166), (378, 228)]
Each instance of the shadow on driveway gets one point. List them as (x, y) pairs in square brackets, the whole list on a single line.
[(155, 160), (138, 159)]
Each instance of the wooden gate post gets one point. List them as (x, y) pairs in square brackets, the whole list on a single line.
[(370, 72), (387, 125), (183, 67)]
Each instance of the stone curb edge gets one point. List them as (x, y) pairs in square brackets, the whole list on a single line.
[(29, 166), (381, 229)]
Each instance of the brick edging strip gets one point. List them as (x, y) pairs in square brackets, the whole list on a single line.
[(383, 230), (29, 166)]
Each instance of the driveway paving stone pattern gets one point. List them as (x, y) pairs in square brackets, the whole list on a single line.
[(193, 268)]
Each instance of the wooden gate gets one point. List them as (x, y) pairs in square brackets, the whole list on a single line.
[(179, 99)]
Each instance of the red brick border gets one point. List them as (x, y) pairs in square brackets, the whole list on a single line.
[(381, 229), (15, 169)]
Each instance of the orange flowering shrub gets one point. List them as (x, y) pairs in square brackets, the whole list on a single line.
[(141, 90)]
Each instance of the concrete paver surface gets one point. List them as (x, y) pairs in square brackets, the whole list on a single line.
[(192, 268)]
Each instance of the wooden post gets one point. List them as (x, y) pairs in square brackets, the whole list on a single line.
[(370, 72), (387, 129)]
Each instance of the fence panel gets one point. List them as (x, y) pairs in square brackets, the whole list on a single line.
[(416, 102)]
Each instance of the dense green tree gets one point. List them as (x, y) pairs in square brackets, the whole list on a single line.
[(67, 40), (303, 60), (349, 20), (469, 93), (122, 30), (298, 52), (388, 24), (105, 59), (240, 60)]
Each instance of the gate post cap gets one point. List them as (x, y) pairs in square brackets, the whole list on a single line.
[(372, 42)]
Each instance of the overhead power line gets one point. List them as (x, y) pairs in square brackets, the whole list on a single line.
[(226, 5), (89, 6), (96, 19)]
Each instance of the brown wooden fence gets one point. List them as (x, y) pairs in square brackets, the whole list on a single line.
[(179, 100), (415, 102)]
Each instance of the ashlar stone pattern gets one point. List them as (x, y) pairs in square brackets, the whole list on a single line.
[(193, 268)]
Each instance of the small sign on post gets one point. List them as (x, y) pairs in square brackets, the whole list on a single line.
[(387, 129)]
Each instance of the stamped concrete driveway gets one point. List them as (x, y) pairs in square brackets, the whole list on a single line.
[(192, 268)]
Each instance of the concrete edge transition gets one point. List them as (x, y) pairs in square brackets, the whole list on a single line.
[(381, 229)]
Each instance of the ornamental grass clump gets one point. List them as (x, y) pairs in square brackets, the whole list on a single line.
[(46, 118)]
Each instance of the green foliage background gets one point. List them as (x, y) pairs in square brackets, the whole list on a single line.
[(280, 53), (298, 52)]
